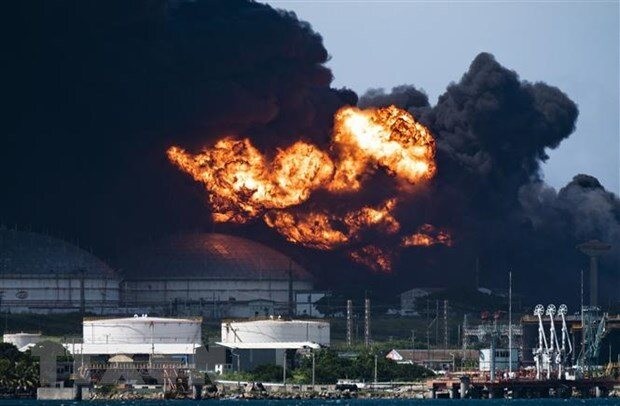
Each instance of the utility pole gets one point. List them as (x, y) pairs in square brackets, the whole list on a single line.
[(437, 323), (283, 370), (464, 332), (509, 324), (375, 370), (367, 322), (428, 348), (412, 340), (349, 322), (313, 369), (445, 324)]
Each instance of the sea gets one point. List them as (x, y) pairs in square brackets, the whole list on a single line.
[(317, 402)]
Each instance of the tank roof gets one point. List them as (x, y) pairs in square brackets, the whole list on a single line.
[(26, 253), (210, 256)]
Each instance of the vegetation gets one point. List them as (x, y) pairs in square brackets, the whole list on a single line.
[(330, 366), (19, 373)]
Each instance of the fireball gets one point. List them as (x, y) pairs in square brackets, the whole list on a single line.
[(245, 184)]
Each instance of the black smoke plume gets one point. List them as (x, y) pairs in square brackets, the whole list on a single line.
[(492, 132), (97, 90)]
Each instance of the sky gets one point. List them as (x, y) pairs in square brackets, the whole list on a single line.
[(573, 45)]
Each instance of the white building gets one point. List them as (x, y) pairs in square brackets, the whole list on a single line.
[(409, 300), (502, 359), (23, 341)]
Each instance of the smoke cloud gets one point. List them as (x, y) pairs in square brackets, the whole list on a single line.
[(492, 132), (98, 91)]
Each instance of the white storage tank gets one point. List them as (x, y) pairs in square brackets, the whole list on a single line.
[(21, 340), (276, 331), (142, 330)]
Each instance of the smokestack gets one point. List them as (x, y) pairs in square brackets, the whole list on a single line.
[(367, 322), (594, 249), (349, 322)]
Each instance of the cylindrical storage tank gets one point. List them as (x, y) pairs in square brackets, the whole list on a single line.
[(21, 339), (141, 330), (269, 331)]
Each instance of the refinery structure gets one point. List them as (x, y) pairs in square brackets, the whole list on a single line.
[(144, 321)]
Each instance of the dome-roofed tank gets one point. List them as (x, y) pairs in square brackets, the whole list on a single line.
[(28, 253), (210, 256), (215, 275), (43, 274)]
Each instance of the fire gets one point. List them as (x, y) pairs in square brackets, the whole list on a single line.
[(325, 231), (245, 184), (427, 235), (373, 257), (311, 229), (389, 138)]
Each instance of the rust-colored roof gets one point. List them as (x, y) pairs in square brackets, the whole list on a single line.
[(210, 256)]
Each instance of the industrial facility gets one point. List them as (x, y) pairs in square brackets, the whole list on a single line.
[(212, 275)]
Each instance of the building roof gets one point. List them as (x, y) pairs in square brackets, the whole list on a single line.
[(25, 253), (404, 355), (140, 319), (210, 256)]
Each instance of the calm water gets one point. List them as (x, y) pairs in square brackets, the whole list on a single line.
[(342, 402)]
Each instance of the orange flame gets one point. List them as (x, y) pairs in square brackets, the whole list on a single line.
[(373, 257), (244, 184), (427, 235), (388, 137), (325, 231)]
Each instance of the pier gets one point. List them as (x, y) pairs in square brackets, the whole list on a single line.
[(464, 387)]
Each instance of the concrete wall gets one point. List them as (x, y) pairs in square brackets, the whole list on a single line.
[(56, 393), (156, 291)]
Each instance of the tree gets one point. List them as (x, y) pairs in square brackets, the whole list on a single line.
[(267, 373), (9, 352)]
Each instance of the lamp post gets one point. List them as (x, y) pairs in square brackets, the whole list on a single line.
[(284, 371), (375, 371), (313, 369), (234, 354)]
